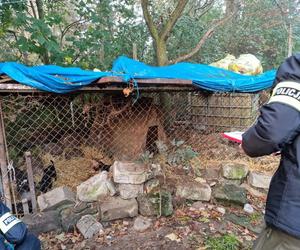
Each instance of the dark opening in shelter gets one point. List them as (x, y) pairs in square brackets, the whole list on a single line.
[(152, 137)]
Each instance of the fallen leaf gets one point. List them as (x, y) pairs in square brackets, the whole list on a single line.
[(61, 237), (173, 237), (157, 224)]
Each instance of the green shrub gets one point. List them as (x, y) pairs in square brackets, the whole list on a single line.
[(226, 242)]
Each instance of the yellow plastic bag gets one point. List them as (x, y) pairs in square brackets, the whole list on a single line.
[(225, 62), (246, 64)]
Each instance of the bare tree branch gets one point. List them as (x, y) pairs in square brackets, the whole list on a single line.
[(205, 7), (69, 26), (41, 15), (173, 19), (271, 25), (40, 8), (231, 6), (287, 24), (207, 35), (33, 9), (149, 20), (290, 39), (75, 58), (283, 15)]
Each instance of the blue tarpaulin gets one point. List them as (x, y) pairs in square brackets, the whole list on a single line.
[(64, 79), (204, 76), (51, 78)]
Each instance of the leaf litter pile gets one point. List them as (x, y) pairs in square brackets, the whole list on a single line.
[(192, 226)]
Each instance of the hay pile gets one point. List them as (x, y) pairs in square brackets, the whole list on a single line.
[(74, 171), (93, 153), (266, 164), (214, 150)]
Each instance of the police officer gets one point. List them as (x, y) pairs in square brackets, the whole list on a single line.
[(278, 129), (14, 233)]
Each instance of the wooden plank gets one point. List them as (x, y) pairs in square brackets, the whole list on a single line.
[(162, 81), (111, 83), (31, 181), (3, 162), (15, 86), (116, 79), (6, 79), (19, 88)]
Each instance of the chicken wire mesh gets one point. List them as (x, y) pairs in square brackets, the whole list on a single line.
[(72, 137)]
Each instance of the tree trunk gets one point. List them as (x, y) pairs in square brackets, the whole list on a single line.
[(40, 9), (161, 53), (290, 40), (41, 16), (160, 37), (231, 6), (165, 98)]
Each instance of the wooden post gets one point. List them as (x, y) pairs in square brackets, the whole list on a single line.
[(25, 206), (13, 188), (31, 181), (3, 162)]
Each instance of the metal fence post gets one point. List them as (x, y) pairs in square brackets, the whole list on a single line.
[(3, 162)]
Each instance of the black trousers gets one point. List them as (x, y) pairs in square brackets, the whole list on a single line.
[(30, 242)]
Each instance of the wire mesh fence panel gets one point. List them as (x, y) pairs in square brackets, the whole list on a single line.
[(72, 137), (221, 112)]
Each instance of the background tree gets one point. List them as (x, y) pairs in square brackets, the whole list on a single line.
[(84, 33), (258, 29), (91, 34), (289, 10), (160, 30)]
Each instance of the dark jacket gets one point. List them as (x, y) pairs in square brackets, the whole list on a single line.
[(13, 230), (278, 129), (14, 233)]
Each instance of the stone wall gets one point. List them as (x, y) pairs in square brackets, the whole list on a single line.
[(131, 189)]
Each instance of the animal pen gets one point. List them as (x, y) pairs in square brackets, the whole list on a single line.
[(86, 131)]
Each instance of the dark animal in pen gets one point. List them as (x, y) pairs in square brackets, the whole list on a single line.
[(44, 185), (21, 181), (152, 138), (18, 208), (100, 166), (49, 175), (22, 186)]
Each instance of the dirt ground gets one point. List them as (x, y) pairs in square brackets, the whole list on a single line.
[(207, 225), (214, 150), (191, 227)]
